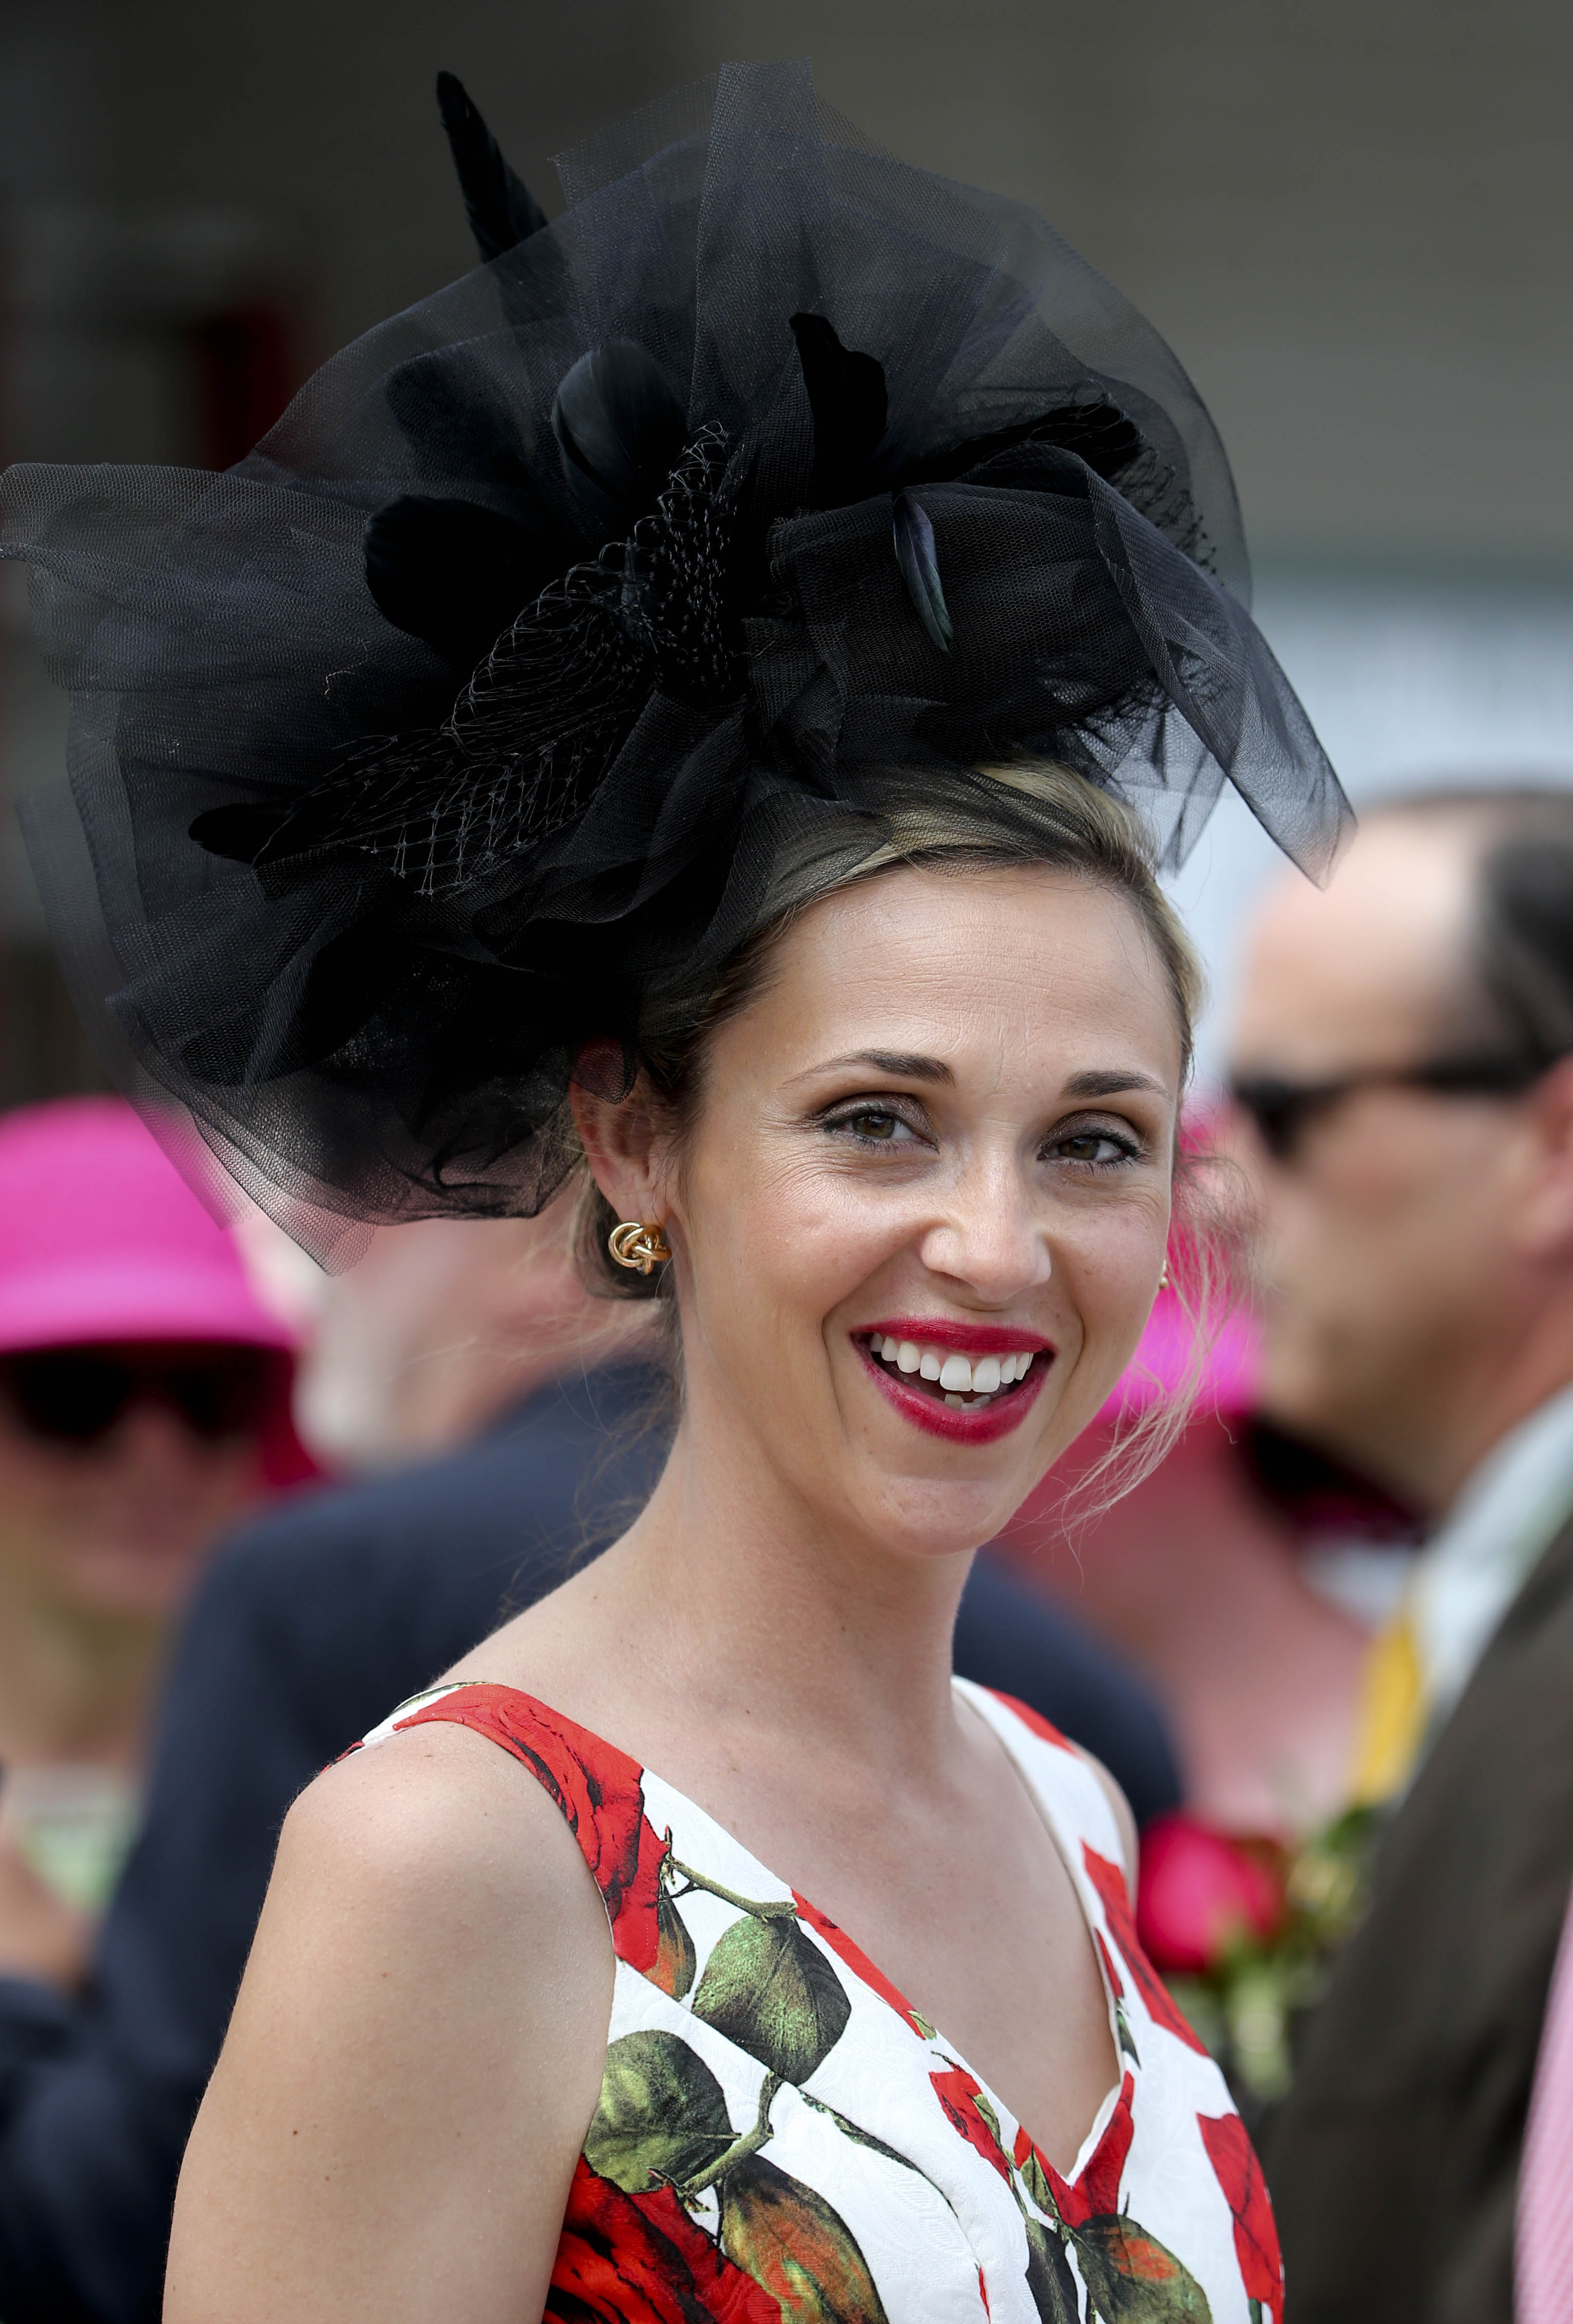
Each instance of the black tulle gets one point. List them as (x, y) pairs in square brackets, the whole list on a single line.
[(495, 687)]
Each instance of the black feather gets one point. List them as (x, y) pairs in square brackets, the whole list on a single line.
[(501, 208), (846, 394), (450, 412), (620, 431), (453, 573), (915, 554)]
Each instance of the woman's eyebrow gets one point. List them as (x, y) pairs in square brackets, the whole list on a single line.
[(901, 1065), (1112, 1084)]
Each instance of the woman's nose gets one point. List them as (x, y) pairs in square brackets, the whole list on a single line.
[(990, 1237)]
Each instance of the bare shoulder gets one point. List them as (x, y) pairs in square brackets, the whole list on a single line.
[(429, 1814), (414, 2056), (1121, 1807)]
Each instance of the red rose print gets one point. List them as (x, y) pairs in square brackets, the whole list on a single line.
[(1096, 2194), (597, 1789), (640, 2259), (959, 2096), (1115, 1897), (856, 1958), (1199, 1890), (1110, 1971), (1234, 2158)]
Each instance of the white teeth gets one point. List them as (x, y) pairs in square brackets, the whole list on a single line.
[(957, 1403), (959, 1376)]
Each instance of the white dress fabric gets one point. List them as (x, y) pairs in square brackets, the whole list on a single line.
[(781, 2135)]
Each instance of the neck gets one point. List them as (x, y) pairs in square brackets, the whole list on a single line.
[(73, 1685), (774, 1628), (1505, 1385)]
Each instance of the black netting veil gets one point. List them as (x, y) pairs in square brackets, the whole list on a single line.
[(494, 687)]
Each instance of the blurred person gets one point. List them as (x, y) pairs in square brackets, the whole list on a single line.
[(440, 1329), (143, 1405), (1198, 1576), (437, 1331), (1402, 1062)]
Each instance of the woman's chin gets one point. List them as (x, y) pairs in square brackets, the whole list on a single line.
[(937, 1517)]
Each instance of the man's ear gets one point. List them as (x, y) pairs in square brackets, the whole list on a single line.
[(628, 1150), (1549, 1211)]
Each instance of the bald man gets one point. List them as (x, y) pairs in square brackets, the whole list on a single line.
[(1402, 1067)]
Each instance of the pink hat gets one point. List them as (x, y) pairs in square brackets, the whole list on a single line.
[(1229, 1367), (101, 1239), (1231, 1364)]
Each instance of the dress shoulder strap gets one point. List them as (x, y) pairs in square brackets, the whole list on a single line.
[(596, 1787)]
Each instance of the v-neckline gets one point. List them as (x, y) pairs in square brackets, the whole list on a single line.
[(884, 1987)]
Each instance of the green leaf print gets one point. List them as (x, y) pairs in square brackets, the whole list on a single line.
[(768, 1987), (1131, 2279), (675, 1959), (795, 2247), (1049, 2277), (1038, 2187), (661, 2116)]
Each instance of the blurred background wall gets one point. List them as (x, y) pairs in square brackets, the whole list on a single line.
[(1351, 222)]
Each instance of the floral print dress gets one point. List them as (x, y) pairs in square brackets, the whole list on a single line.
[(781, 2136)]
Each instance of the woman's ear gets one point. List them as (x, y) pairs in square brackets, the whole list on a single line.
[(628, 1152)]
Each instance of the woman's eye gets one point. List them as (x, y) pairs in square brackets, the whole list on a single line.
[(877, 1127), (1096, 1147)]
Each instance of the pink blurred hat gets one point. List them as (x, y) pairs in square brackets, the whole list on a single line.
[(1230, 1365), (101, 1239)]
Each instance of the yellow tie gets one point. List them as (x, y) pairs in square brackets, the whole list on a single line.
[(1391, 1715)]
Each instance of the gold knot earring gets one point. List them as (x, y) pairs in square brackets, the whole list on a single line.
[(1163, 1278), (637, 1246)]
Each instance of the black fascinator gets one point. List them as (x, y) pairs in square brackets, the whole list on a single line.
[(415, 751)]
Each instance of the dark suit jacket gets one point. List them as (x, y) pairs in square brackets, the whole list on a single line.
[(1394, 2164), (315, 1623)]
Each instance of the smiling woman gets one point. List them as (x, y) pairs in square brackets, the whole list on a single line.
[(784, 873), (931, 1138)]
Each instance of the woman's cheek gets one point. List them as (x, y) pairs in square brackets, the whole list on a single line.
[(1114, 1299)]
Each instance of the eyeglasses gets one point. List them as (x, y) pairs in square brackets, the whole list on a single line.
[(76, 1397), (1279, 1109)]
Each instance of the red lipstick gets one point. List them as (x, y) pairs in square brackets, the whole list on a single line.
[(931, 1413), (939, 1331)]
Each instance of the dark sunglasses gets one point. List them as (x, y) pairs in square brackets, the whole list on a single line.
[(1279, 1109), (76, 1397)]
